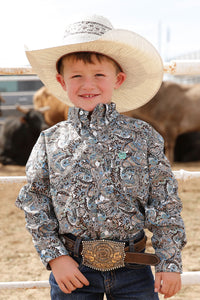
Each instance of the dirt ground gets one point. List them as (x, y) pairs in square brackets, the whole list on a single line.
[(19, 260)]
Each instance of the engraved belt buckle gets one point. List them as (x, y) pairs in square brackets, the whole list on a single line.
[(103, 255)]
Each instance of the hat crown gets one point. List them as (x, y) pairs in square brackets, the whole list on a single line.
[(89, 28)]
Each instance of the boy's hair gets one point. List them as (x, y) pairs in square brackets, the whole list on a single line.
[(86, 57)]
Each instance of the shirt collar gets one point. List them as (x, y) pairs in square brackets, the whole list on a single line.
[(102, 115)]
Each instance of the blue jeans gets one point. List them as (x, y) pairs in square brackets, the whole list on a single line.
[(131, 282)]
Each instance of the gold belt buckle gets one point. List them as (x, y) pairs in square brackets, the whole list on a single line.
[(103, 255)]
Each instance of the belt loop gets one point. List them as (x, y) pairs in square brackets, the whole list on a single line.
[(77, 246), (131, 245)]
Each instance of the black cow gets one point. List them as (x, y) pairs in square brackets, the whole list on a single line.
[(18, 136), (187, 147)]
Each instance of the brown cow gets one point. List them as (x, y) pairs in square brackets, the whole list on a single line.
[(174, 110), (57, 112), (1, 101)]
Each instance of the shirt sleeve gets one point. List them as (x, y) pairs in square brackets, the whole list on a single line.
[(163, 210), (35, 199)]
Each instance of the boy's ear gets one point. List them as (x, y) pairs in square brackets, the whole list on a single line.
[(61, 80), (121, 77)]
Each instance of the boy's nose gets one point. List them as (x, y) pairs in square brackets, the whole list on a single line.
[(88, 83)]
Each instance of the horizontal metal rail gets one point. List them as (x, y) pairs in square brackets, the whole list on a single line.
[(23, 285), (182, 67), (175, 67), (187, 278), (21, 70), (14, 107), (185, 175), (13, 179)]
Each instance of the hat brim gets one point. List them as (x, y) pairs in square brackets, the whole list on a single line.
[(138, 58)]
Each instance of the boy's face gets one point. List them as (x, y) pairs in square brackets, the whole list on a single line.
[(88, 84)]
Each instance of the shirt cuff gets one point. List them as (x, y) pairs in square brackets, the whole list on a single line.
[(169, 266), (51, 251)]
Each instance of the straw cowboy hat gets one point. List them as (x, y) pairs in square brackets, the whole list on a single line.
[(137, 57)]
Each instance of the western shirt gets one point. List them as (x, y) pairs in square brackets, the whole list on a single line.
[(102, 175)]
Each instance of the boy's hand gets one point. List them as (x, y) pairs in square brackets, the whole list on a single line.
[(167, 283), (66, 273)]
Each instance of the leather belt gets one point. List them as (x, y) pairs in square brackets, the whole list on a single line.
[(106, 255)]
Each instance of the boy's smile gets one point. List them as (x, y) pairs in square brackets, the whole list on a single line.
[(88, 84)]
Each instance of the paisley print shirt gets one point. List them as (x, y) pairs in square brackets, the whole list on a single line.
[(102, 175)]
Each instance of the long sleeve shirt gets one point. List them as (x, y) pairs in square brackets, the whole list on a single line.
[(102, 175)]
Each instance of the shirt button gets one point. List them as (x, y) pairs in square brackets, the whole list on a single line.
[(97, 163)]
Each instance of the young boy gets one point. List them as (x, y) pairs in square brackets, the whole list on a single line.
[(97, 180)]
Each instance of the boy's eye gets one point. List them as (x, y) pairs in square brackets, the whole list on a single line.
[(99, 74), (76, 76)]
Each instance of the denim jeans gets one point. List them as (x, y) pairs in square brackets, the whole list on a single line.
[(130, 282)]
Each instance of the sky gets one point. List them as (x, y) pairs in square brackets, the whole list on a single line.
[(172, 26)]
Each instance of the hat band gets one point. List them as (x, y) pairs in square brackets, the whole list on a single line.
[(86, 27)]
